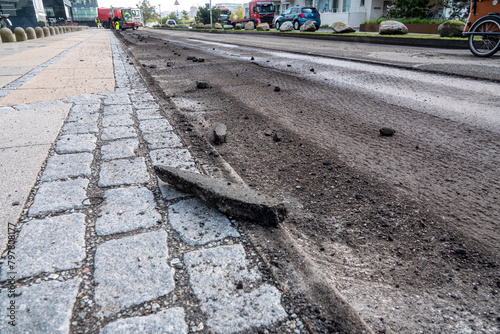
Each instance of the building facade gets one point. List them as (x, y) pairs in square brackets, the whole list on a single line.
[(351, 12), (84, 12), (23, 13)]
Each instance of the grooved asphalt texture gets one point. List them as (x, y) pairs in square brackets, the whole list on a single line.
[(96, 253)]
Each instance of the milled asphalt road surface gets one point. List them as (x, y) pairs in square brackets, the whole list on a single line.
[(90, 247)]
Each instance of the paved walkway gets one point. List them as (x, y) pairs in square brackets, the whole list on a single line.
[(101, 245)]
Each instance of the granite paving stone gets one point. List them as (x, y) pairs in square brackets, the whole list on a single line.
[(117, 120), (84, 99), (49, 245), (117, 98), (123, 172), (170, 193), (143, 114), (199, 224), (170, 321), (82, 117), (76, 143), (180, 158), (80, 127), (42, 308), (117, 109), (143, 97), (145, 104), (162, 140), (118, 132), (125, 148), (57, 196), (67, 165), (155, 125), (126, 209), (215, 274), (132, 270), (92, 108)]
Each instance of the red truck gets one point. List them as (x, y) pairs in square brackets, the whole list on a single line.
[(128, 17), (258, 12)]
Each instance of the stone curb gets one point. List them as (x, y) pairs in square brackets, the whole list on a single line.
[(403, 41), (21, 31)]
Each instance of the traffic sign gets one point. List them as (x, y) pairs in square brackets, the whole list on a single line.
[(176, 3)]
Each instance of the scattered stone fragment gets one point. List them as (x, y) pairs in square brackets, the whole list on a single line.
[(277, 136), (220, 134), (268, 133), (190, 58), (387, 132), (231, 199), (202, 85), (170, 64), (277, 89)]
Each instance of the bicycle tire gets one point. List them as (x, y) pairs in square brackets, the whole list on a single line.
[(485, 45)]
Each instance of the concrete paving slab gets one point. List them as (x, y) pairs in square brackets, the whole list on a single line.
[(170, 321), (126, 209), (25, 139), (42, 308), (49, 245), (66, 74), (132, 270)]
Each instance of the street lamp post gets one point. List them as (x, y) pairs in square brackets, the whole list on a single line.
[(159, 6)]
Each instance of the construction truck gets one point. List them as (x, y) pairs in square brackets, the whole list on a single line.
[(258, 12), (126, 17)]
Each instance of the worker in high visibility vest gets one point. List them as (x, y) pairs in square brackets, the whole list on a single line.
[(117, 25), (97, 22)]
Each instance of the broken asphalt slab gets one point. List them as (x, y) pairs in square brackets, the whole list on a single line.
[(232, 199)]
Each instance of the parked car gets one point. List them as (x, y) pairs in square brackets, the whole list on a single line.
[(298, 16), (171, 23)]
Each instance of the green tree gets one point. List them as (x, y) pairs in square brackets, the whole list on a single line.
[(237, 14), (173, 16), (408, 9), (147, 10), (458, 10), (185, 15), (203, 15)]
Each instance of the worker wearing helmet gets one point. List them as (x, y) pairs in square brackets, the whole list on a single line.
[(97, 22)]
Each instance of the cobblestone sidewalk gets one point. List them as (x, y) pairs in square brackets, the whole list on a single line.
[(105, 247)]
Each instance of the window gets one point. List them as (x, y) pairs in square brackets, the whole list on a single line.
[(309, 10), (362, 3)]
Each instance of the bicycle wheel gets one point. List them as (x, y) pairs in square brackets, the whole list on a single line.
[(487, 44)]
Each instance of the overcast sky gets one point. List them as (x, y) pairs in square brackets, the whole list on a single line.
[(166, 5)]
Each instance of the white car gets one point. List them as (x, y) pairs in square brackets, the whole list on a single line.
[(171, 23)]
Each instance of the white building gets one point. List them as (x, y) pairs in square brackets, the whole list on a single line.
[(351, 12)]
